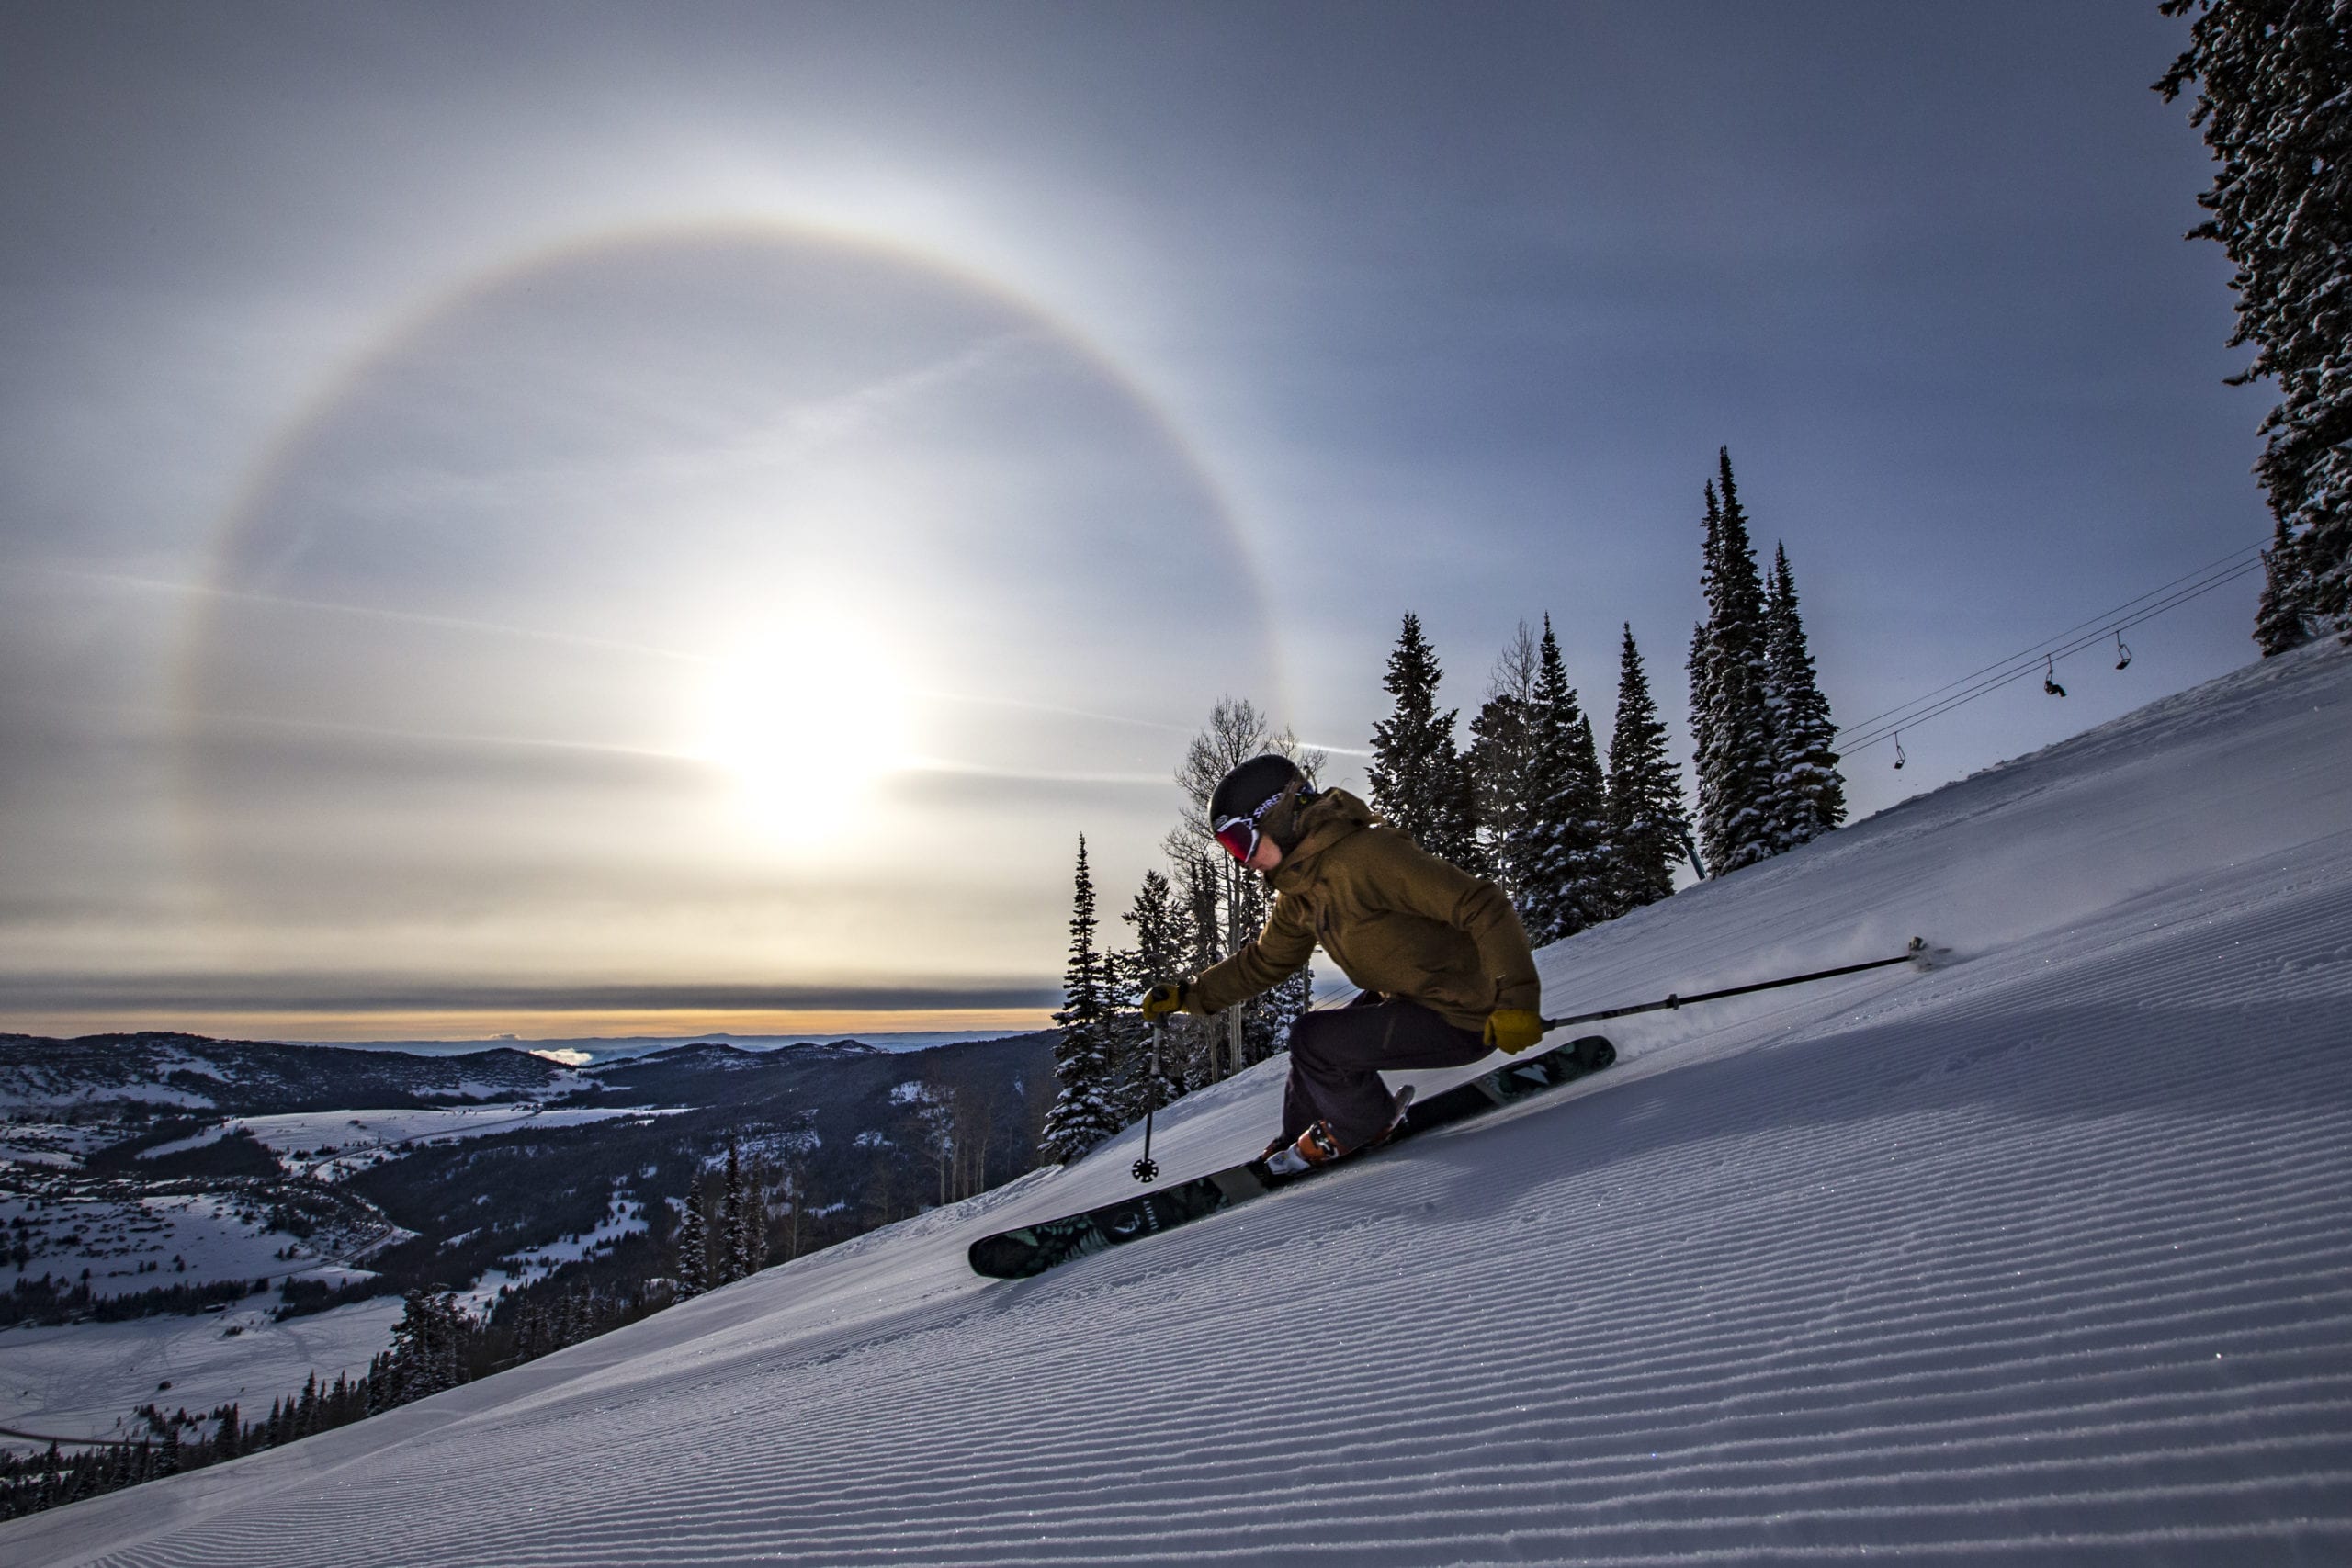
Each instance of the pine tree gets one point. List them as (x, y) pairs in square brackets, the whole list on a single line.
[(1584, 850), (1157, 957), (2283, 618), (1562, 844), (1648, 828), (735, 1234), (1729, 691), (755, 1216), (1086, 1109), (694, 1243), (1808, 792), (1501, 755), (426, 1344), (1418, 783), (2274, 108)]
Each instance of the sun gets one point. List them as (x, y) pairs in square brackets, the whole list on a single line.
[(806, 715)]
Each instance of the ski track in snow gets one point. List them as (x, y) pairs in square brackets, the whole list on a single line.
[(2045, 1256)]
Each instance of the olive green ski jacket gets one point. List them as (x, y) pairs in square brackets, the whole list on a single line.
[(1395, 920)]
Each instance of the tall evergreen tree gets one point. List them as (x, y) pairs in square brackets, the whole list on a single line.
[(2273, 103), (1086, 1110), (1562, 843), (735, 1221), (427, 1347), (1199, 891), (1584, 851), (1417, 780), (2282, 619), (1729, 691), (694, 1243), (1648, 828), (1502, 751), (1158, 956), (756, 1183), (1808, 792)]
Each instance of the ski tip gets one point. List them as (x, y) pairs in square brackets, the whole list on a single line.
[(1012, 1255), (1926, 955)]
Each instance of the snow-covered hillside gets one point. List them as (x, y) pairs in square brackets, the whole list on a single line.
[(332, 1144), (2045, 1255), (84, 1379)]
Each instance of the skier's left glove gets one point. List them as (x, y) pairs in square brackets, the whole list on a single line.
[(1513, 1030), (1163, 1000)]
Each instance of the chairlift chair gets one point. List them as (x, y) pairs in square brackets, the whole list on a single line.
[(2050, 676)]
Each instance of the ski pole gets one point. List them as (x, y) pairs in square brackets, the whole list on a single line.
[(1147, 1170), (1918, 954)]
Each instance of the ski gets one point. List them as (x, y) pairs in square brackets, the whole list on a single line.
[(1033, 1249)]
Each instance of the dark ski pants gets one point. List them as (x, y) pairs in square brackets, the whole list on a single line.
[(1336, 1056)]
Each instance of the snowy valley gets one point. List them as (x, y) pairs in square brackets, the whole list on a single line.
[(189, 1223)]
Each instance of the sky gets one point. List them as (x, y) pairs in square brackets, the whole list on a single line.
[(577, 520)]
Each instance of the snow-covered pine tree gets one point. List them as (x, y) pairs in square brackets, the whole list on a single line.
[(1730, 690), (1157, 957), (1703, 646), (735, 1223), (2282, 618), (1648, 827), (1562, 843), (1502, 751), (694, 1242), (1587, 858), (1808, 792), (2273, 103), (1199, 889), (755, 1189), (1085, 1111), (427, 1346), (1418, 783)]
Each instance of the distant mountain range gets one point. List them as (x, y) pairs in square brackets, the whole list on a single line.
[(193, 1074), (604, 1048)]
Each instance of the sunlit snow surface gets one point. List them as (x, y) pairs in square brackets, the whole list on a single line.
[(2044, 1255)]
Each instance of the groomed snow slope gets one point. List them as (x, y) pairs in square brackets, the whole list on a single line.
[(2044, 1256)]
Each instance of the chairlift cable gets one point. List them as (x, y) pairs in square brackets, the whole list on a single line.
[(2241, 559), (1871, 732), (2004, 671), (1864, 741)]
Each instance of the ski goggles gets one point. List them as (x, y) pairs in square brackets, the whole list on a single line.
[(1240, 834)]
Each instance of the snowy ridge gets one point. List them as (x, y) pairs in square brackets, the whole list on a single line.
[(258, 1077), (2044, 1256)]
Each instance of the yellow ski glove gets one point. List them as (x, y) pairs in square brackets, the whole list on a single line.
[(1163, 1000), (1513, 1030)]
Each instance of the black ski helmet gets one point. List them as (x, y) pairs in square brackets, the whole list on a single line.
[(1249, 790)]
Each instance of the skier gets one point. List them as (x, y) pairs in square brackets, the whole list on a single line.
[(1440, 954)]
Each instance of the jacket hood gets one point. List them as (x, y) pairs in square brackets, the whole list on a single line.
[(1331, 816)]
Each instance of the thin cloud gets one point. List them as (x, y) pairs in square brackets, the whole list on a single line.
[(366, 611), (377, 993)]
